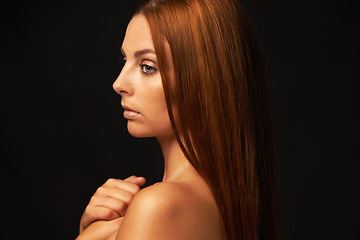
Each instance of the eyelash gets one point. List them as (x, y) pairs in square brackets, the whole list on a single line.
[(152, 69)]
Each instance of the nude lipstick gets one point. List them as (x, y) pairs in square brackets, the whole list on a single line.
[(129, 113)]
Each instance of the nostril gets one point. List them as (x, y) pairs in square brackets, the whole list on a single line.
[(122, 92)]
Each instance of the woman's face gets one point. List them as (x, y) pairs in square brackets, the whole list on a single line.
[(139, 84)]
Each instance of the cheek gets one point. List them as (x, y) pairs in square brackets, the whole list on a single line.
[(156, 97), (160, 105), (158, 109), (155, 120)]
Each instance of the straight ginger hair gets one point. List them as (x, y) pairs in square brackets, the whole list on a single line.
[(219, 98)]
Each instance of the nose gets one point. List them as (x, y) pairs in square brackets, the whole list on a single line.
[(122, 85)]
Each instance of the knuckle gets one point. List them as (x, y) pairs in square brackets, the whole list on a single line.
[(135, 188), (128, 198), (121, 209), (122, 205), (107, 213), (100, 190), (110, 181), (93, 199)]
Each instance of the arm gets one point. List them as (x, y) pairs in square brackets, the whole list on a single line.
[(111, 200), (105, 230), (108, 206)]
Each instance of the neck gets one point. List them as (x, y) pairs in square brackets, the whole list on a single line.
[(175, 162)]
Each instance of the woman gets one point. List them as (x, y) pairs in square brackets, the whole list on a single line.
[(194, 79)]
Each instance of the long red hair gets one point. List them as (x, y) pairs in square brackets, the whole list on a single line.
[(221, 103)]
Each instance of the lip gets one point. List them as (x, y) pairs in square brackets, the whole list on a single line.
[(130, 113)]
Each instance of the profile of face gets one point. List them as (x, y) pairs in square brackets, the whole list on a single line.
[(140, 85)]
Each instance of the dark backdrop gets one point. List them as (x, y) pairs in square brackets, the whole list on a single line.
[(62, 132)]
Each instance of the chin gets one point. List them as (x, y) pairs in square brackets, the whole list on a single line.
[(138, 131), (146, 131), (139, 135)]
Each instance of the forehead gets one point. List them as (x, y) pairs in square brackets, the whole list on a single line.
[(138, 35)]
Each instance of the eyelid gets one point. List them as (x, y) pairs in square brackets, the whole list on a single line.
[(153, 70), (149, 63)]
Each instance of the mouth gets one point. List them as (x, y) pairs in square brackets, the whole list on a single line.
[(130, 113)]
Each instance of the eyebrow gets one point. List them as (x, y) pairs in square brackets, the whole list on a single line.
[(140, 52)]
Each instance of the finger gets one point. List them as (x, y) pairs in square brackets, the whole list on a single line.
[(121, 184), (120, 192), (140, 181), (104, 193), (99, 213), (114, 204)]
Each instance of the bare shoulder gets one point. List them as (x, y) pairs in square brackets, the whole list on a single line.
[(161, 200), (169, 211), (163, 194)]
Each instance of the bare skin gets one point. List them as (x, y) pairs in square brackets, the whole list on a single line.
[(111, 200), (179, 207)]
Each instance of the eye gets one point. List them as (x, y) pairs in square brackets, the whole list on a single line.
[(147, 70)]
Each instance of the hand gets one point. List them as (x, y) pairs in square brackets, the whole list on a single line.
[(111, 200)]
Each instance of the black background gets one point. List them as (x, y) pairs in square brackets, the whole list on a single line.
[(63, 134)]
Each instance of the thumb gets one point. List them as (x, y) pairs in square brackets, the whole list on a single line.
[(136, 180)]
